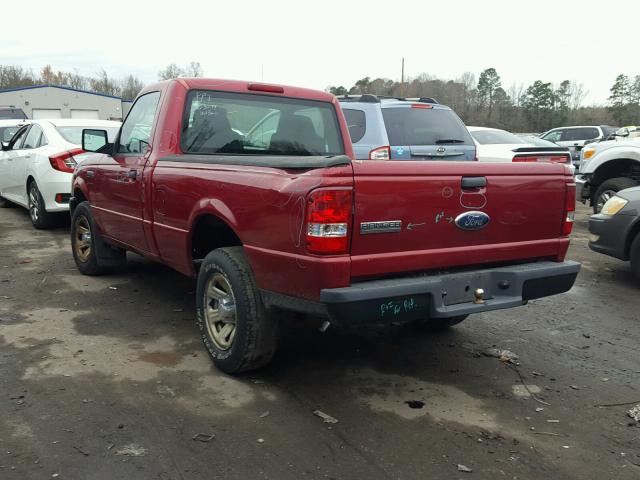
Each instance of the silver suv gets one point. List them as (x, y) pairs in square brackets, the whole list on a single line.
[(405, 129)]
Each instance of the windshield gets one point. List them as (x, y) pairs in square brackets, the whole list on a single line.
[(7, 133), (495, 137), (74, 134), (238, 123), (424, 126)]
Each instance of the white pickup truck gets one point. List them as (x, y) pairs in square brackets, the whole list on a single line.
[(605, 169)]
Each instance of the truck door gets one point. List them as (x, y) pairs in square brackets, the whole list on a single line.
[(119, 204)]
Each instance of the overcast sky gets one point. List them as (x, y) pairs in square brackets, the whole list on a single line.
[(316, 44)]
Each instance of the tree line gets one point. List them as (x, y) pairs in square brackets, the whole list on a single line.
[(534, 108), (12, 76), (485, 101)]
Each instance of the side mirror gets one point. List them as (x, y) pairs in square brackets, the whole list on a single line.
[(622, 132), (93, 140), (5, 146)]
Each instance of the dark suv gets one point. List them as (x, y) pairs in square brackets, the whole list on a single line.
[(384, 128), (12, 113)]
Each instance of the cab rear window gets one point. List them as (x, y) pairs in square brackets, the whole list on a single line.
[(237, 123), (424, 126)]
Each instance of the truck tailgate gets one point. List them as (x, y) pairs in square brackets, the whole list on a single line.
[(413, 216)]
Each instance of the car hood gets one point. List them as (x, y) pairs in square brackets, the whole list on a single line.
[(632, 194), (602, 146)]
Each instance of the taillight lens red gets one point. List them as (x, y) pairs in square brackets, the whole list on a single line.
[(380, 153), (329, 221), (421, 105), (543, 158), (64, 161), (569, 208)]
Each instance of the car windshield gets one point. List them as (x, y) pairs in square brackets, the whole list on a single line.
[(73, 134), (238, 123), (495, 137), (7, 133), (424, 126)]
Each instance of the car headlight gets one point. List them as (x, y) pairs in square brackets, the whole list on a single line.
[(614, 205), (587, 153)]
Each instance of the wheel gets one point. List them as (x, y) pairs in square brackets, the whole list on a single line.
[(634, 256), (236, 329), (608, 189), (439, 324), (91, 254), (40, 218)]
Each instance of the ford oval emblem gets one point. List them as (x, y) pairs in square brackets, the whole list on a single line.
[(472, 220)]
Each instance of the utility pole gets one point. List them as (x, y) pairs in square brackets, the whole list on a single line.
[(402, 78)]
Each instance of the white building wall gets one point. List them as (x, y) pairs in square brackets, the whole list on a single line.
[(54, 98)]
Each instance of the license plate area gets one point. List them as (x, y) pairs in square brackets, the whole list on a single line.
[(462, 288)]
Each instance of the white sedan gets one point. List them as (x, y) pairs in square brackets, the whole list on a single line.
[(495, 145), (36, 166)]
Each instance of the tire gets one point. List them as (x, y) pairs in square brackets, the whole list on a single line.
[(608, 188), (440, 324), (40, 218), (91, 254), (251, 336), (634, 256)]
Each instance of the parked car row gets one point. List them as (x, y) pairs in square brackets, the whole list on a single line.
[(37, 163)]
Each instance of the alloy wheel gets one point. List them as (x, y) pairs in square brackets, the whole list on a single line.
[(34, 211), (220, 311), (82, 239)]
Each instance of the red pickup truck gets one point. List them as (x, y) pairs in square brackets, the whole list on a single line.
[(253, 189)]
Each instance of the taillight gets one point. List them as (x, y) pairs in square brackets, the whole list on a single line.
[(542, 158), (380, 153), (421, 105), (64, 161), (328, 221), (525, 159), (569, 208)]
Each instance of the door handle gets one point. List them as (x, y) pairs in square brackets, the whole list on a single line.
[(131, 174), (474, 182)]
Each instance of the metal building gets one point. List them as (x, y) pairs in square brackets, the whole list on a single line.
[(54, 101)]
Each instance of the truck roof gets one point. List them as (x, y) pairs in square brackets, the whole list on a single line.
[(241, 86)]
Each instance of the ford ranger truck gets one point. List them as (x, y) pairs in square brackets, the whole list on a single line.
[(253, 190)]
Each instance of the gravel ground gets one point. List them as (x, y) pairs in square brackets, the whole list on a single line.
[(105, 378)]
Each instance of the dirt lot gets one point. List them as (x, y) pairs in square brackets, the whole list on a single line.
[(105, 378)]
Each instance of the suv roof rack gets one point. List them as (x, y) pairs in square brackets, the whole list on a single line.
[(371, 98), (412, 99), (367, 98)]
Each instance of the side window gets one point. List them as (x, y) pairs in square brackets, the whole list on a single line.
[(553, 136), (136, 129), (570, 134), (588, 133), (356, 123), (16, 141), (33, 137)]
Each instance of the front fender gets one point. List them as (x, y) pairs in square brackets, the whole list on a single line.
[(621, 152)]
